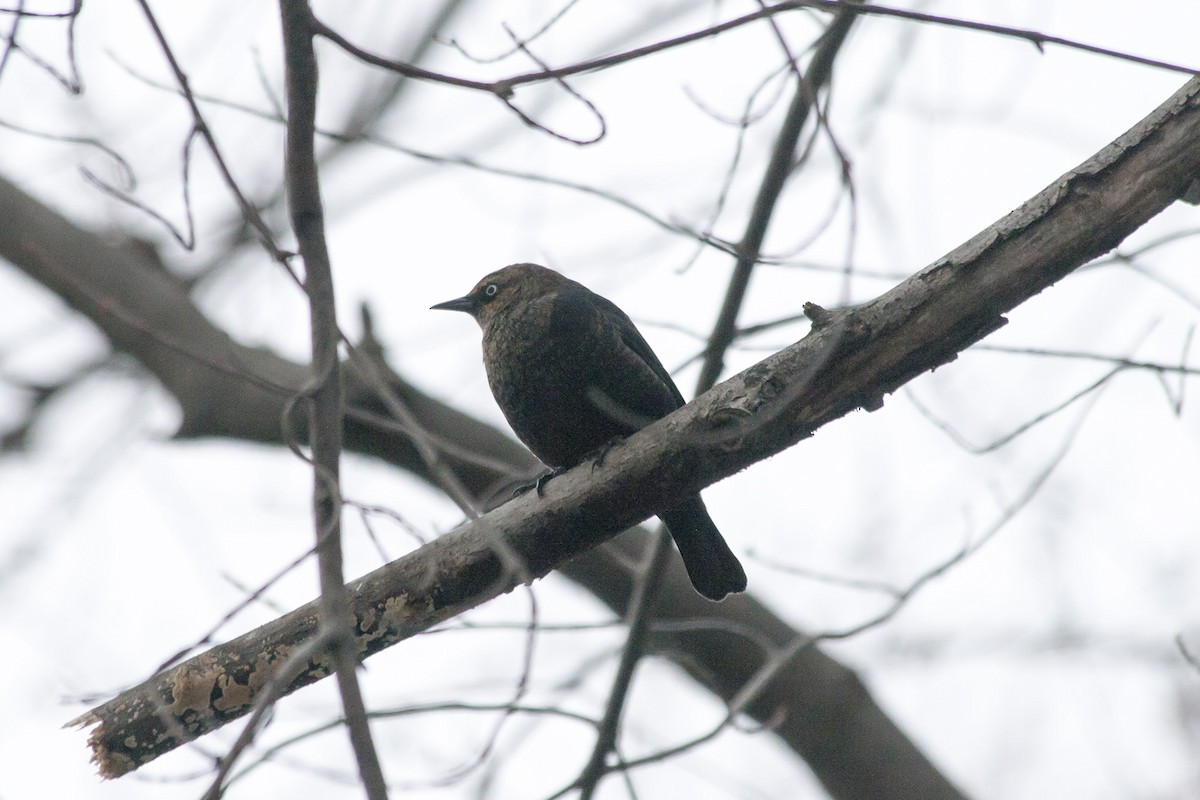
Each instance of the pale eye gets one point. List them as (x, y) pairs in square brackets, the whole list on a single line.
[(490, 290)]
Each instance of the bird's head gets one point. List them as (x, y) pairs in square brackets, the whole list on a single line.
[(500, 290)]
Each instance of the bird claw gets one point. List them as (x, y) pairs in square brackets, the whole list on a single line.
[(600, 452), (540, 483)]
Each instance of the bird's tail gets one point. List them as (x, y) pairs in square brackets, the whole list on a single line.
[(714, 569)]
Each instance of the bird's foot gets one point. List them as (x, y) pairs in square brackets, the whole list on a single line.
[(600, 452), (540, 483)]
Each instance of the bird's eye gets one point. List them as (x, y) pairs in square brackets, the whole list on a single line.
[(490, 290)]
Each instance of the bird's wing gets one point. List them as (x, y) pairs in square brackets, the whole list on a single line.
[(632, 338), (623, 378)]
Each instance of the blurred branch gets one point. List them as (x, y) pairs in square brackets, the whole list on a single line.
[(851, 359), (1187, 654), (369, 106)]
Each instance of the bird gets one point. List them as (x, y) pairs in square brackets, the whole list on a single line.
[(572, 374)]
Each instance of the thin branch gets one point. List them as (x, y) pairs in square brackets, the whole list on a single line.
[(19, 10), (778, 169), (429, 448), (507, 710), (1036, 38), (869, 585), (530, 121), (748, 117), (252, 596), (249, 212), (270, 753), (1001, 441), (542, 29), (69, 81), (127, 176), (325, 392), (384, 143), (639, 619), (1118, 361), (504, 88), (187, 237), (18, 15)]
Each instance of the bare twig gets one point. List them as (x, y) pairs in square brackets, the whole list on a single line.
[(542, 29), (249, 212), (504, 88), (427, 446), (530, 121), (252, 596), (1036, 38), (187, 237), (1118, 361), (779, 168), (126, 171), (68, 80), (273, 752), (17, 14), (429, 157), (21, 11), (507, 710), (1000, 441), (639, 619)]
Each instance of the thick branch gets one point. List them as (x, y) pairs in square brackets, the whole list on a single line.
[(851, 359)]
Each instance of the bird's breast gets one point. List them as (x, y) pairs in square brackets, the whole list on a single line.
[(541, 385)]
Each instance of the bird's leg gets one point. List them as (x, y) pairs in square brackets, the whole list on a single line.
[(598, 454)]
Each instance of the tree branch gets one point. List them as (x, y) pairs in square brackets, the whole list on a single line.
[(851, 359), (324, 398)]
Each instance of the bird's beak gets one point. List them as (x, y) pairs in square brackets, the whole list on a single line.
[(464, 303)]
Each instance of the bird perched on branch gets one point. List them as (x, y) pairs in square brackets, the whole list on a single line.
[(572, 373)]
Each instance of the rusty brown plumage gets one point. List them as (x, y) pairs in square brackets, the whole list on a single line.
[(571, 372)]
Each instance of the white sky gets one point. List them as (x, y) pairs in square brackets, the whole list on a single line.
[(1042, 667)]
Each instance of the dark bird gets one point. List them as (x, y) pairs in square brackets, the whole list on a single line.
[(572, 374)]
